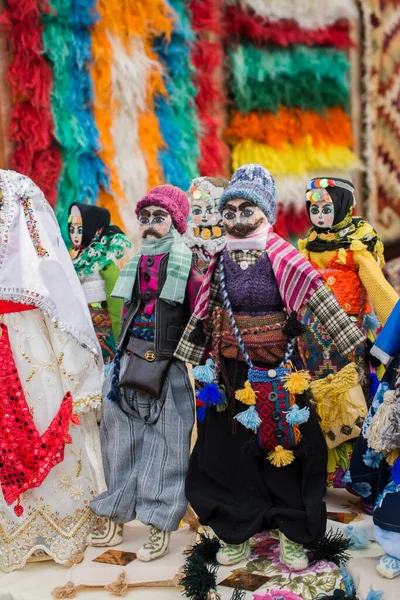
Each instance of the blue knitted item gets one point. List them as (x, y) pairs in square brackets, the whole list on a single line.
[(255, 184)]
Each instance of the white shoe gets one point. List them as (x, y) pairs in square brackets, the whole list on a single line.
[(107, 533), (292, 554), (156, 547), (231, 554), (388, 566)]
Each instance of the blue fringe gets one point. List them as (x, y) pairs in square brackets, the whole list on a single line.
[(211, 395), (249, 418), (204, 373), (395, 471), (373, 384), (177, 115), (201, 413), (348, 582), (359, 538), (298, 416), (374, 595)]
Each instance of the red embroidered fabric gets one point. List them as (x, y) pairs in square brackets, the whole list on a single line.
[(26, 457)]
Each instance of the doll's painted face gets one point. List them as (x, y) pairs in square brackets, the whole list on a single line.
[(241, 217), (202, 212), (154, 222), (75, 227), (322, 214)]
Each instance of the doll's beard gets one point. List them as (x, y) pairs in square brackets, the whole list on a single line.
[(242, 231)]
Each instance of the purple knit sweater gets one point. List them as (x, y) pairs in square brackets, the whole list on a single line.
[(253, 290)]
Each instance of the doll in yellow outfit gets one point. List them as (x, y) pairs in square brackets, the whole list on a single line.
[(347, 252)]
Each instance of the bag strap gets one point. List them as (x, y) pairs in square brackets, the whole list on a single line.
[(228, 307)]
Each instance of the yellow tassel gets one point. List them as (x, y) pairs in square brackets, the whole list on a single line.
[(281, 457), (297, 382), (246, 395), (392, 457), (356, 245), (342, 256)]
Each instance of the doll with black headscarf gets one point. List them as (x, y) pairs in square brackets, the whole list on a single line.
[(96, 249), (348, 254)]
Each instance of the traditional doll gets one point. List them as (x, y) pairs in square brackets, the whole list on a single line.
[(348, 254), (205, 231), (240, 483), (149, 413), (50, 384), (97, 247), (374, 472)]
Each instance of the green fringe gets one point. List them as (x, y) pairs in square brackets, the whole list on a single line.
[(300, 76), (200, 568), (331, 547)]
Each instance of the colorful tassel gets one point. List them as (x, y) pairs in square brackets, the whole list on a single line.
[(371, 322), (298, 416), (249, 418), (380, 422), (374, 594), (204, 373), (211, 395), (297, 382), (246, 395), (201, 413), (281, 457), (359, 538), (395, 471), (392, 457)]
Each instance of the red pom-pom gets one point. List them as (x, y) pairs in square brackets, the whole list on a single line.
[(18, 509), (75, 419)]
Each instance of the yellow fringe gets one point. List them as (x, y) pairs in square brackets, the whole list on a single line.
[(293, 159), (65, 591), (246, 395), (331, 398), (297, 382), (342, 256), (126, 19), (118, 587), (281, 457), (392, 457)]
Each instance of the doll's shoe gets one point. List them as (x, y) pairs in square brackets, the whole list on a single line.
[(292, 554), (388, 566), (107, 533), (156, 547), (231, 554)]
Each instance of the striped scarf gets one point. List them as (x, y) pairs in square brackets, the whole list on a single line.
[(296, 278), (178, 269)]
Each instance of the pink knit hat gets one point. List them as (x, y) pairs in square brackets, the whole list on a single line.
[(171, 199)]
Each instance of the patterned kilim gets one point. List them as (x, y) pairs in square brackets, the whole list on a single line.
[(385, 96)]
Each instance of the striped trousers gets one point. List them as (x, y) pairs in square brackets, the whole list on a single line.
[(145, 449)]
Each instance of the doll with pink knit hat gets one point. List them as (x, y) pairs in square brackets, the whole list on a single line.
[(148, 414)]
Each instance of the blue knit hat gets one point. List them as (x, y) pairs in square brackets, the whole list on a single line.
[(255, 184)]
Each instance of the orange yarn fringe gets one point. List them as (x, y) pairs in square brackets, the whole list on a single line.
[(127, 19), (292, 125)]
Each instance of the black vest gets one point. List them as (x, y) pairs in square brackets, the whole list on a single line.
[(171, 320)]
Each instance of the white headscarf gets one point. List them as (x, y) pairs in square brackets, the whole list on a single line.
[(35, 267)]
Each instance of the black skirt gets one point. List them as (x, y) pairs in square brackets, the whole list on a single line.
[(239, 495)]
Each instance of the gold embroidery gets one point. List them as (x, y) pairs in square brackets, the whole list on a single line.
[(89, 401), (79, 471), (60, 358), (32, 373)]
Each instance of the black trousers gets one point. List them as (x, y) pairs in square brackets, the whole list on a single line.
[(238, 495)]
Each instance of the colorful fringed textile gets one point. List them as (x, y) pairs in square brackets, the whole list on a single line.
[(305, 77), (177, 114), (293, 159), (30, 79), (385, 69), (207, 58), (292, 126), (68, 48), (309, 14), (241, 24)]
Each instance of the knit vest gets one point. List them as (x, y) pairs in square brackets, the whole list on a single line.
[(253, 290)]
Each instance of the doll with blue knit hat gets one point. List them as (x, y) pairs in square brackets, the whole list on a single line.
[(260, 459)]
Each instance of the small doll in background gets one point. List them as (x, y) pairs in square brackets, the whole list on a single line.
[(205, 232), (97, 248), (374, 473), (348, 254)]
